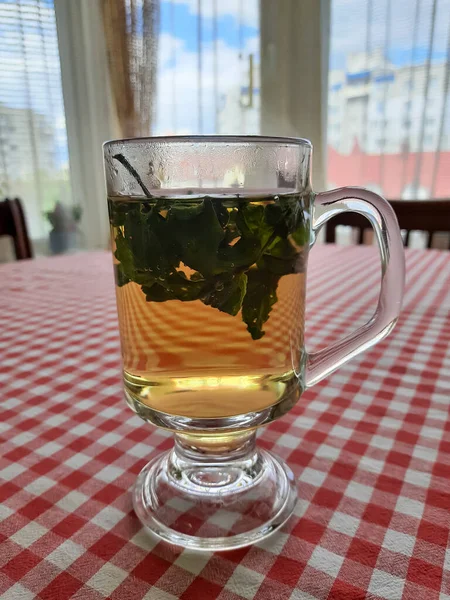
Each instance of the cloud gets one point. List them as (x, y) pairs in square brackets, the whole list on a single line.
[(177, 103), (245, 10), (168, 45)]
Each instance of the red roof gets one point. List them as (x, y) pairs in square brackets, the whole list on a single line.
[(388, 171)]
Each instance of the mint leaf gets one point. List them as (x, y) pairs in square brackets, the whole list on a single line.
[(117, 213), (221, 212), (157, 293), (231, 230), (250, 219), (260, 297), (166, 251), (255, 235), (198, 233), (243, 254), (274, 215), (287, 218), (124, 255), (281, 258), (150, 244), (301, 235), (237, 254), (177, 287), (120, 276), (297, 226), (252, 224), (228, 293)]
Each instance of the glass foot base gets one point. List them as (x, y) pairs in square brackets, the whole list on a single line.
[(214, 501)]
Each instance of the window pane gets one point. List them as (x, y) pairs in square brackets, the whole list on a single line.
[(33, 142), (208, 67), (388, 114)]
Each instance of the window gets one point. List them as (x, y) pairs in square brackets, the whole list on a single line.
[(208, 67), (409, 40), (33, 141), (210, 79)]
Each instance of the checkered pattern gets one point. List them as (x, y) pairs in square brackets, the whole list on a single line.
[(165, 336), (370, 448)]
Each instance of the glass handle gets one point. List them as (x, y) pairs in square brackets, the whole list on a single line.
[(384, 222)]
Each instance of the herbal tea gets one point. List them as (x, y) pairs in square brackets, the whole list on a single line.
[(210, 293)]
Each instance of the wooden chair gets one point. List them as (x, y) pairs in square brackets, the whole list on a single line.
[(430, 216), (12, 223)]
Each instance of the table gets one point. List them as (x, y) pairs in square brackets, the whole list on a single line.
[(370, 448)]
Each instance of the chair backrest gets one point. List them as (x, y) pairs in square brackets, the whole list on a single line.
[(430, 216), (12, 223)]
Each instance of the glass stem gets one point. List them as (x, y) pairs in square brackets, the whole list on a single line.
[(221, 448)]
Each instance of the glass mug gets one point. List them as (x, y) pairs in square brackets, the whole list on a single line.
[(210, 237)]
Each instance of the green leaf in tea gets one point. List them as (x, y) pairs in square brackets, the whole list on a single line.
[(301, 235), (252, 223), (222, 213), (198, 232), (237, 253), (242, 254), (228, 293), (125, 257), (120, 275), (176, 287), (280, 258), (118, 213), (260, 297)]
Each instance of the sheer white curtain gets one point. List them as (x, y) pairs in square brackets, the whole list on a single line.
[(132, 42), (90, 111), (294, 69)]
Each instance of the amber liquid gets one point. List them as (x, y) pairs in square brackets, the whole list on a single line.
[(191, 360)]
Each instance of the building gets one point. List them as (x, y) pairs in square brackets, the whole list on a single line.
[(387, 127), (384, 108)]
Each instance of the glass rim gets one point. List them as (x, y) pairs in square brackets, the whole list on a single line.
[(213, 139)]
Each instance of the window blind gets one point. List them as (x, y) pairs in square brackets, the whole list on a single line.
[(33, 141), (389, 104)]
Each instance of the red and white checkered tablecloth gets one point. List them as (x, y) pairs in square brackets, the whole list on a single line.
[(370, 448)]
